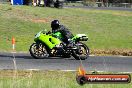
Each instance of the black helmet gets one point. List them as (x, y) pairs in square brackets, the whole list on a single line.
[(55, 24)]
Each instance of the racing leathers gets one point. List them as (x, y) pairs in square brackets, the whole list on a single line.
[(67, 35)]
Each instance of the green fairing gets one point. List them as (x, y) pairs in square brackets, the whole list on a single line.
[(78, 36), (58, 35), (51, 40), (75, 37), (48, 40)]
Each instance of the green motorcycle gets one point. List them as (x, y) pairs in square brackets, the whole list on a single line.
[(51, 45)]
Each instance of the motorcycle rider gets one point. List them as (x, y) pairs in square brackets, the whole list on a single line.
[(67, 35)]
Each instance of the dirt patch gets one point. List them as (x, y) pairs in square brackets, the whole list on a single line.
[(40, 20), (122, 14), (122, 52), (11, 73)]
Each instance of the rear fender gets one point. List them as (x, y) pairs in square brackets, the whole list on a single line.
[(80, 37)]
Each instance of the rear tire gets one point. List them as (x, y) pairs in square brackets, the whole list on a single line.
[(38, 51), (85, 53)]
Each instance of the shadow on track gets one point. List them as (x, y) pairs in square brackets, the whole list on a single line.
[(27, 56), (11, 56)]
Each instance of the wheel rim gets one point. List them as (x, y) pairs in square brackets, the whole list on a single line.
[(39, 50), (83, 51)]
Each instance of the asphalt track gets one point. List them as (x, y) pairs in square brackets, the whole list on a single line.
[(98, 63)]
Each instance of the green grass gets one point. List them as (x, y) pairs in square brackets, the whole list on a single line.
[(47, 79), (106, 29)]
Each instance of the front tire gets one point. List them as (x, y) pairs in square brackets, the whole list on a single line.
[(82, 53), (38, 51)]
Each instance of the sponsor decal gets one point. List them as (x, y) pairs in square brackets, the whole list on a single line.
[(83, 78)]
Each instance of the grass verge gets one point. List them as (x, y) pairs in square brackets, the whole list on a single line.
[(47, 79), (106, 29)]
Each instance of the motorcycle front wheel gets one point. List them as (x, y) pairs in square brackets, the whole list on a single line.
[(38, 51)]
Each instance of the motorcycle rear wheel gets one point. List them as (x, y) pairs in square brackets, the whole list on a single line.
[(83, 52)]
